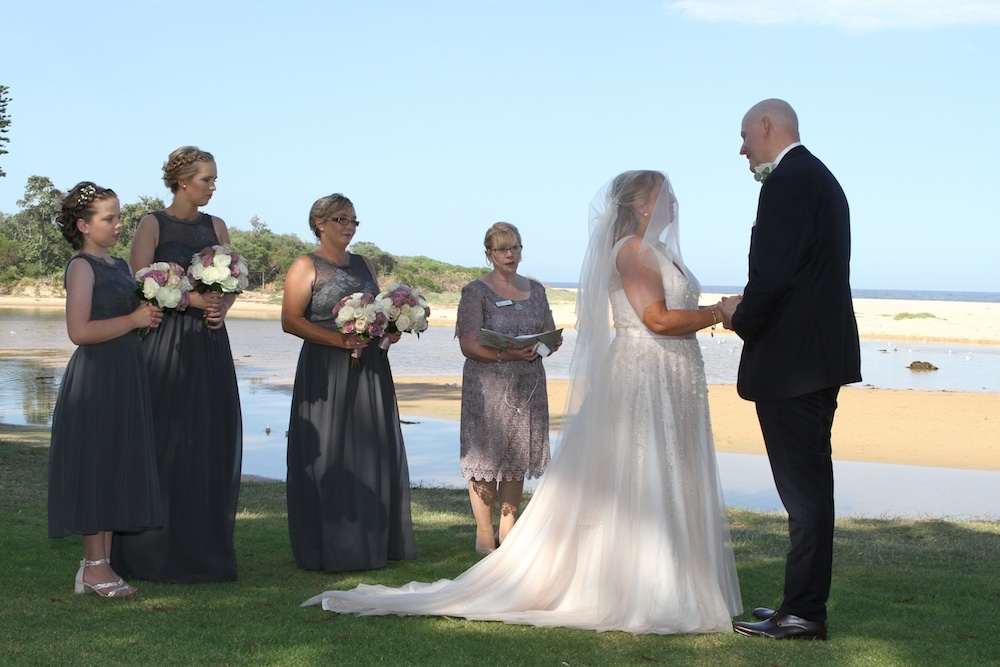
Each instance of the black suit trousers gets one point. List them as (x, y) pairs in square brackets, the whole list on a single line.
[(797, 434)]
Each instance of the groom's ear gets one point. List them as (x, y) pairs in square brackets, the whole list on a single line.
[(765, 125)]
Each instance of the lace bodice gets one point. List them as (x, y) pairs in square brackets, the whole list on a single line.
[(114, 289), (181, 239), (333, 283)]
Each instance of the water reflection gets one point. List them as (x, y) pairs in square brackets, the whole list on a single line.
[(34, 349), (874, 490)]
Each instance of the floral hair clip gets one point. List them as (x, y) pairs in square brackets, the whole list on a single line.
[(86, 195)]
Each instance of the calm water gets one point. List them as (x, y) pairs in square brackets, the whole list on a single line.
[(265, 361)]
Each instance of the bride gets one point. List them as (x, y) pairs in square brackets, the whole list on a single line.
[(627, 529)]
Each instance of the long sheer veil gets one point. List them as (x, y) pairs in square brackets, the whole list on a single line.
[(611, 218)]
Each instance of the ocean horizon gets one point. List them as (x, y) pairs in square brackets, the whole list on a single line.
[(903, 295)]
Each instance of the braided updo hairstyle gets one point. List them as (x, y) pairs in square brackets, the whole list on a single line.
[(181, 164), (77, 205)]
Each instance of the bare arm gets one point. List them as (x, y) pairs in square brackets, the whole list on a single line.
[(147, 236), (298, 290), (644, 289)]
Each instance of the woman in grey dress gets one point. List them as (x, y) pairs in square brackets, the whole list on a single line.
[(102, 462), (505, 405), (196, 402), (348, 485)]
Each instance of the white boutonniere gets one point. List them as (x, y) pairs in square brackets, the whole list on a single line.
[(762, 171)]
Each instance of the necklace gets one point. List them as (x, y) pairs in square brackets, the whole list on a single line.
[(526, 402)]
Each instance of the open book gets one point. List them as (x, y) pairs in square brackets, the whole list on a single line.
[(546, 340)]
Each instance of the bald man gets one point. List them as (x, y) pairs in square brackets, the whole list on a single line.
[(796, 319)]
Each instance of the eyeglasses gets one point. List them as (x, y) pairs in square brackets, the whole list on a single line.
[(343, 221), (516, 249)]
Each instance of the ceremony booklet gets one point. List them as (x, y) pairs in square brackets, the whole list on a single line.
[(544, 341)]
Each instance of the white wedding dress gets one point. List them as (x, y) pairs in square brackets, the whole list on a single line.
[(627, 529)]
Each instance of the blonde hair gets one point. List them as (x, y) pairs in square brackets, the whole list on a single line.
[(501, 233), (181, 165), (629, 190)]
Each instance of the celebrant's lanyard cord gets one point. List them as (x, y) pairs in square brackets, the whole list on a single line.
[(507, 389)]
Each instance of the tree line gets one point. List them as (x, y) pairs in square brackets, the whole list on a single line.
[(32, 248)]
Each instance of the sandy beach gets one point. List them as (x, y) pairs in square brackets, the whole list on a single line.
[(941, 429), (890, 319)]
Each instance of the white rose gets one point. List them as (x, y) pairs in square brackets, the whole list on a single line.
[(230, 284), (198, 271), (222, 260), (169, 298), (149, 288), (215, 274), (404, 323)]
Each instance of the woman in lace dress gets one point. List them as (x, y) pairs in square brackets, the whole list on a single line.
[(505, 405), (348, 485), (102, 465), (627, 530), (196, 401)]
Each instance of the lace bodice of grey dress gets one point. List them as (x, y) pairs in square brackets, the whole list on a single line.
[(333, 283), (181, 239)]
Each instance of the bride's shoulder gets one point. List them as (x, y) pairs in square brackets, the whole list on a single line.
[(627, 247)]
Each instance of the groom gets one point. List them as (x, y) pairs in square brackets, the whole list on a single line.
[(800, 338)]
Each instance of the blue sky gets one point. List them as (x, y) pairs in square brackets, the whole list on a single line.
[(439, 118)]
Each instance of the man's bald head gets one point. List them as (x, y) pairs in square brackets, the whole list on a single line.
[(768, 128)]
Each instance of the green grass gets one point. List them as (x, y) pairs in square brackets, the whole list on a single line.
[(904, 593)]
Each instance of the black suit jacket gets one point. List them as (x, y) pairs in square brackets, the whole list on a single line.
[(797, 317)]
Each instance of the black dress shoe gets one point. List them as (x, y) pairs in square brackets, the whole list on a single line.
[(763, 613), (783, 626)]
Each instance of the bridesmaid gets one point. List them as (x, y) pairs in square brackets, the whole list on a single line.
[(102, 474), (196, 404), (348, 484)]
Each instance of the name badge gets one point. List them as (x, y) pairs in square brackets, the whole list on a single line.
[(505, 302)]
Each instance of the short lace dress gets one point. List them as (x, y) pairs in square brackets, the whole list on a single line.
[(505, 406)]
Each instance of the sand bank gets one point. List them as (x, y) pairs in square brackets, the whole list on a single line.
[(890, 319), (940, 429)]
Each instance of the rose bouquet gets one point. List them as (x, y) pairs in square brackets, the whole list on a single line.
[(406, 310), (164, 284), (218, 269), (360, 314)]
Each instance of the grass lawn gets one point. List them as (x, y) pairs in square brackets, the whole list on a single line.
[(904, 593)]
